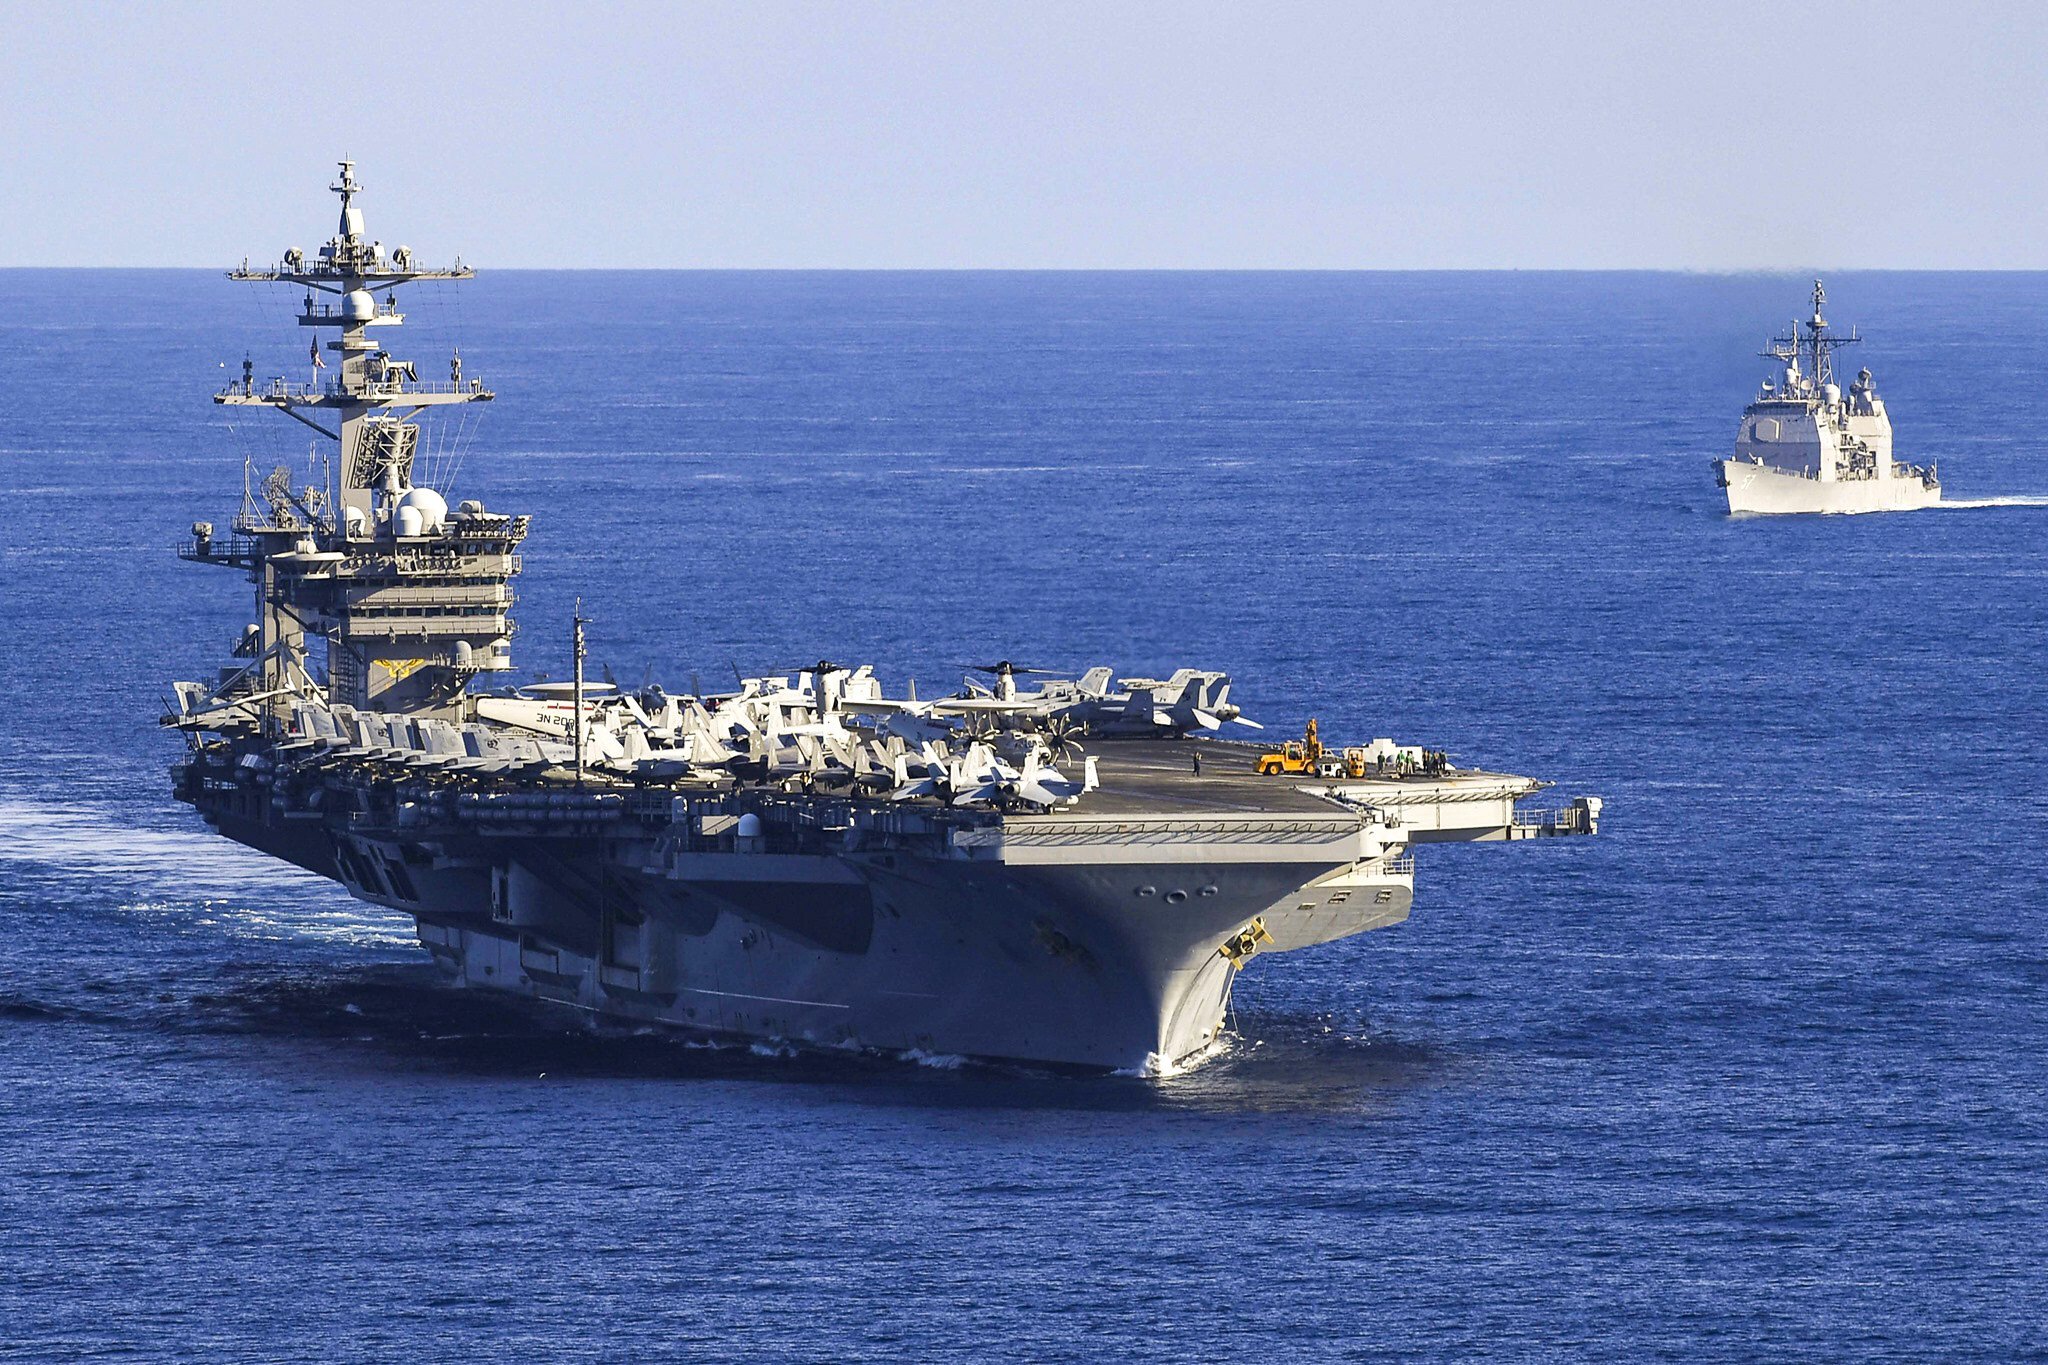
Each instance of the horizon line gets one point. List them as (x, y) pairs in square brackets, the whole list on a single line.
[(1771, 270)]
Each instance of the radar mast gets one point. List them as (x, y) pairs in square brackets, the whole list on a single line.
[(1813, 348), (410, 600), (370, 404)]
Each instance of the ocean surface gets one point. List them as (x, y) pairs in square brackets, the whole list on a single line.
[(1756, 1074)]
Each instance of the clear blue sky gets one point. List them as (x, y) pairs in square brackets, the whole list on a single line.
[(1700, 136)]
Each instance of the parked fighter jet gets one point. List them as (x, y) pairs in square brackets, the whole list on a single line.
[(979, 775), (1190, 700)]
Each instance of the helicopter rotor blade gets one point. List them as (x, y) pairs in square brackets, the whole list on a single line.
[(1007, 667)]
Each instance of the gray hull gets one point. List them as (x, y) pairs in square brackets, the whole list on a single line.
[(1104, 940), (1069, 966)]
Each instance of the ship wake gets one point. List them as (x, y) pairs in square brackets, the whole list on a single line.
[(85, 839), (191, 880)]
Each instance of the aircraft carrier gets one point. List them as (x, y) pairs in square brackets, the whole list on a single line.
[(1068, 872)]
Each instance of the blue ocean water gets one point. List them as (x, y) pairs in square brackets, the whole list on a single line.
[(1758, 1073)]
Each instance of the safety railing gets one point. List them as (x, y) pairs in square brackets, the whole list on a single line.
[(282, 390), (1577, 818)]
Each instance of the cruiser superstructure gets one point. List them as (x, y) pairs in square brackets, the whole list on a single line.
[(1806, 446), (1071, 873)]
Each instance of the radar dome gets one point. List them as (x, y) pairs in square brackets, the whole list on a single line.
[(359, 306), (432, 507)]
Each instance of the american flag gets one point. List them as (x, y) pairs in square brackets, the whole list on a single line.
[(318, 363)]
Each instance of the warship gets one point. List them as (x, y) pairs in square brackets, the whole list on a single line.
[(1805, 446), (1064, 872)]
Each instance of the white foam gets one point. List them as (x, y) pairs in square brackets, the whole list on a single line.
[(91, 839), (194, 878), (1158, 1068), (354, 923), (2016, 500)]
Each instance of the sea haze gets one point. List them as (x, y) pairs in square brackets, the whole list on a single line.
[(1758, 1072)]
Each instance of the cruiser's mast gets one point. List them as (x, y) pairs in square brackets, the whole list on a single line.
[(1816, 346), (1819, 344)]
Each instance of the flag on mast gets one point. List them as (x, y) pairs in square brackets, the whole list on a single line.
[(318, 363)]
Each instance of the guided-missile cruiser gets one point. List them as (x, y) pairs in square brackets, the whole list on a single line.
[(1805, 446), (1069, 874)]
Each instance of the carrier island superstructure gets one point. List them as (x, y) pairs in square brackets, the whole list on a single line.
[(1806, 446), (1052, 871)]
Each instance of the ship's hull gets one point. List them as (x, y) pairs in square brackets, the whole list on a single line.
[(1063, 969), (1760, 489), (1103, 937), (1110, 964)]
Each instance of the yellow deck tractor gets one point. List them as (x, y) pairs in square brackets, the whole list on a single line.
[(1295, 756)]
